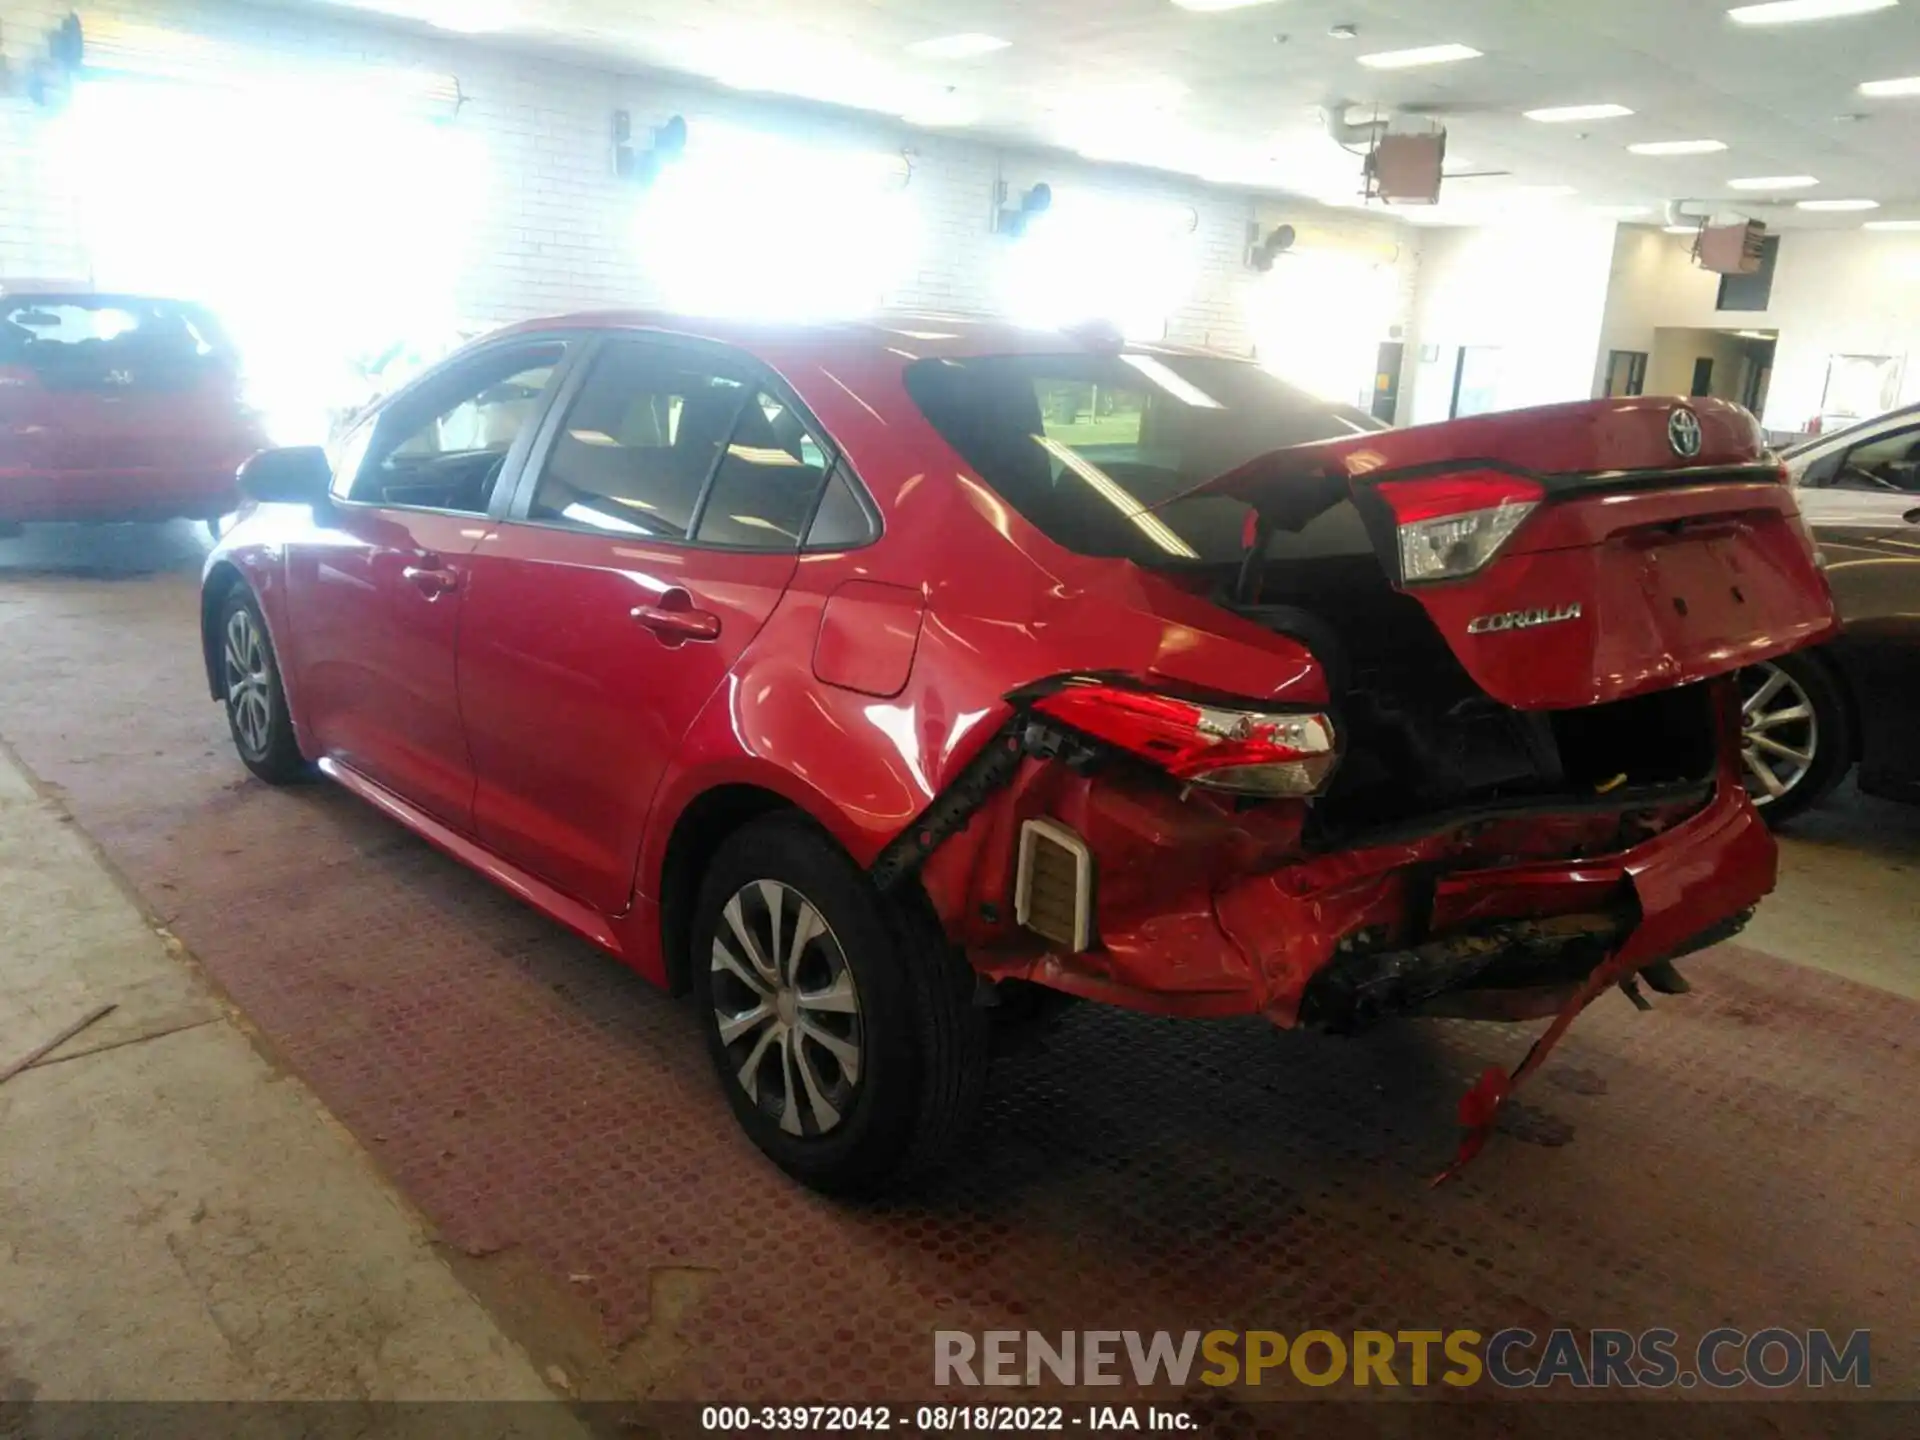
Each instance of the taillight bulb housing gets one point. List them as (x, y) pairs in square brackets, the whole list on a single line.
[(1219, 747), (1449, 526)]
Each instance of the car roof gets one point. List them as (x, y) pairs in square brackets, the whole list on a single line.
[(1851, 432), (925, 335)]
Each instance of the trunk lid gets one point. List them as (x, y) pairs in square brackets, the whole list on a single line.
[(1572, 555)]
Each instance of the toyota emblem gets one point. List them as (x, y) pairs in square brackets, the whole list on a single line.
[(1683, 433)]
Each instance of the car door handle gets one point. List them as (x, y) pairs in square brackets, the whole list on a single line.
[(431, 581), (675, 626)]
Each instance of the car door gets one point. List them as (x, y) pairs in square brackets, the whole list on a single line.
[(376, 590), (1863, 503), (655, 531)]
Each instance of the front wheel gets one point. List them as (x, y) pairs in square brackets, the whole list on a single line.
[(842, 1027), (1793, 735), (256, 702)]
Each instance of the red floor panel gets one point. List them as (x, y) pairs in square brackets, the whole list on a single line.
[(1744, 1155)]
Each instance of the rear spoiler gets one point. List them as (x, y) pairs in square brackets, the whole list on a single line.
[(1584, 441)]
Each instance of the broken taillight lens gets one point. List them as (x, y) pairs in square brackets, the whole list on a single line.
[(1245, 752), (1452, 525)]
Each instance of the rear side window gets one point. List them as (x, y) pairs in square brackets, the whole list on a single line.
[(1091, 448), (766, 482), (638, 443), (134, 343)]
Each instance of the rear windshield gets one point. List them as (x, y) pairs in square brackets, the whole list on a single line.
[(104, 332), (1085, 446)]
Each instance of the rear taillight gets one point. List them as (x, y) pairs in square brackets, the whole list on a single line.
[(1246, 752), (1452, 525)]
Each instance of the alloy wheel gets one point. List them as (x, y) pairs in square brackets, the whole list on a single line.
[(249, 686), (787, 1008), (1779, 732)]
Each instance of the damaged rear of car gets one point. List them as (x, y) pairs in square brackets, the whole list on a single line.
[(1436, 721)]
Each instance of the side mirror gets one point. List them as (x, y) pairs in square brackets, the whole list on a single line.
[(296, 475)]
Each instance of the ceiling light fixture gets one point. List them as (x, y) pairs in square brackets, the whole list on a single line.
[(1906, 85), (1560, 114), (1773, 182), (1891, 225), (1212, 5), (1423, 55), (1677, 147), (1839, 205), (958, 47), (1681, 229), (1789, 12)]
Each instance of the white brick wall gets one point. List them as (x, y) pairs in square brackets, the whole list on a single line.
[(556, 231)]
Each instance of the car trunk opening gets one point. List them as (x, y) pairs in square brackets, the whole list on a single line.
[(1516, 609)]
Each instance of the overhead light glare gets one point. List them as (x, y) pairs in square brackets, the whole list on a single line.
[(1891, 225), (1681, 229), (1755, 334), (1773, 182), (1792, 12), (1677, 147), (957, 47), (1906, 85), (1423, 55), (1212, 5), (938, 112), (1561, 114), (1835, 205)]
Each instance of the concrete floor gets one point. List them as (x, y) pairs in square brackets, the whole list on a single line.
[(180, 1217)]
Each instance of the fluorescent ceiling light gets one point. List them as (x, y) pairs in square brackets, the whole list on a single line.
[(1559, 114), (1839, 205), (957, 47), (1219, 4), (1681, 229), (1773, 182), (1424, 55), (1907, 85), (1677, 147), (1755, 334), (1891, 225), (1788, 12)]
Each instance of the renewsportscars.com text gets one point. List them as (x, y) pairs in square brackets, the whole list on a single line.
[(1725, 1359)]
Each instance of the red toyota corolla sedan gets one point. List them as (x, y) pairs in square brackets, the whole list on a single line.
[(883, 684), (117, 407)]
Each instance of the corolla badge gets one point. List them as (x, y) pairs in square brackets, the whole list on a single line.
[(1523, 619), (1683, 433)]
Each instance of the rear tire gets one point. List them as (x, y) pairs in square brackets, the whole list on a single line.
[(256, 702), (845, 1034), (1795, 736)]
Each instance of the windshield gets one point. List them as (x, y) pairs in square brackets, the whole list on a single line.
[(107, 332), (1089, 447)]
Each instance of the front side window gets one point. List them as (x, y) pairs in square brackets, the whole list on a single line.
[(638, 443), (1090, 448), (1889, 465), (444, 446)]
